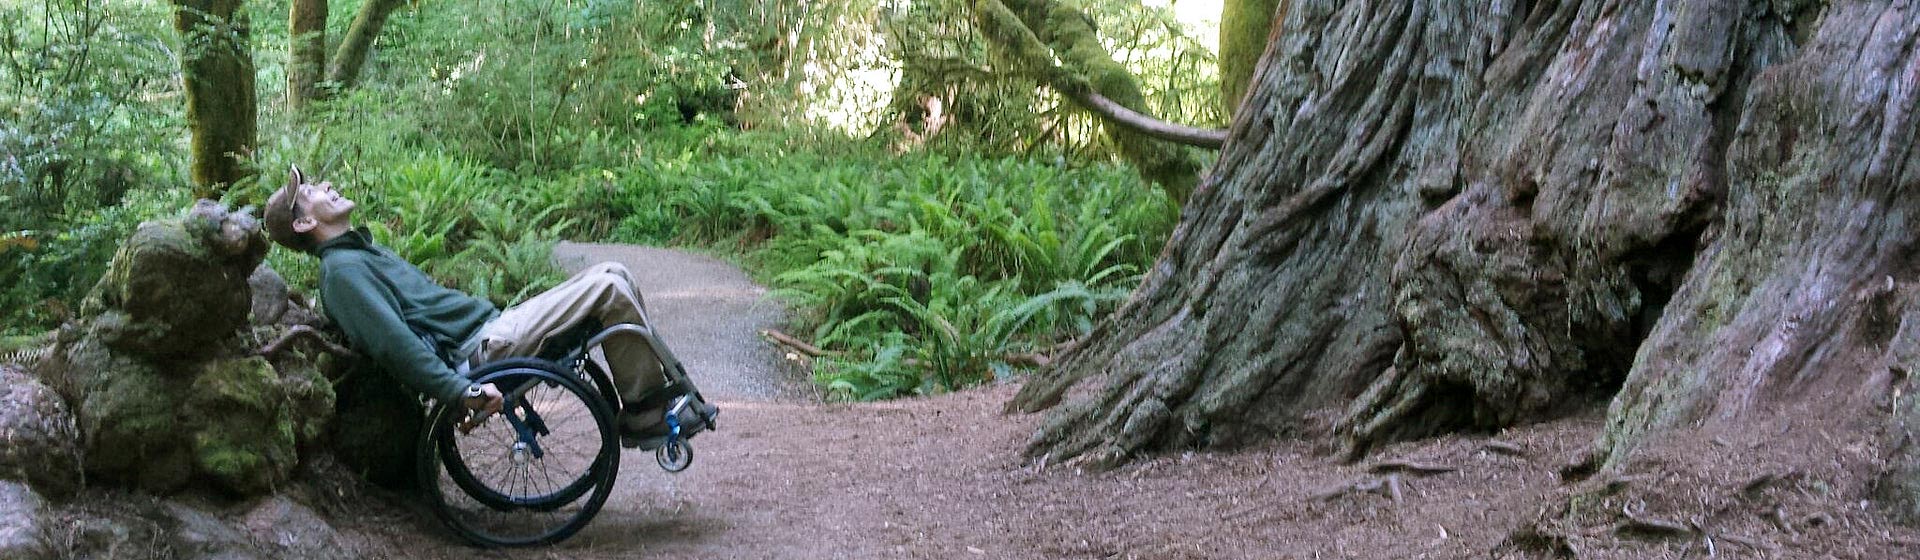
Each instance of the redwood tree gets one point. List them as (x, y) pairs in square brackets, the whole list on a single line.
[(306, 51), (217, 68), (1436, 215)]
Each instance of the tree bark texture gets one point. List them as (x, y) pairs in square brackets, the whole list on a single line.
[(306, 51), (1433, 216), (1035, 32), (217, 68), (354, 48), (1245, 26)]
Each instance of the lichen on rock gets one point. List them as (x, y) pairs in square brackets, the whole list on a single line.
[(168, 390)]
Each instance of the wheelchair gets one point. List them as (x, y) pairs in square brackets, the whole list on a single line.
[(540, 469)]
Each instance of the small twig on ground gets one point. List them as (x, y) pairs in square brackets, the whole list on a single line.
[(1410, 467), (795, 343), (1618, 483), (1742, 541), (1779, 518), (1393, 487), (1358, 487), (1649, 525), (1505, 448), (1818, 519), (305, 331), (1706, 537), (1760, 482)]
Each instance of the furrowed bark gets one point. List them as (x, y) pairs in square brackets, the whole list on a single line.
[(217, 68), (306, 51), (1436, 216)]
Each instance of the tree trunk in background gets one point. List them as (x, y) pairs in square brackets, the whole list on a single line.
[(306, 51), (353, 50), (1244, 29), (1071, 37), (217, 67), (1444, 215)]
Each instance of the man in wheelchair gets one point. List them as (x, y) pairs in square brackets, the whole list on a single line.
[(428, 336)]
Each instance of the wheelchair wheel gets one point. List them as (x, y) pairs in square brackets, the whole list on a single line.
[(596, 378), (533, 474)]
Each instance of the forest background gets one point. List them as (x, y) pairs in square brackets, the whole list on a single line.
[(932, 209)]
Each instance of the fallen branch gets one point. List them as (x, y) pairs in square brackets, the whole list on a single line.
[(304, 331), (1650, 525), (1504, 448), (1028, 359), (796, 344), (1411, 467)]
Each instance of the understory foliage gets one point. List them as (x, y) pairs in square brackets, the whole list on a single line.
[(922, 272), (792, 137)]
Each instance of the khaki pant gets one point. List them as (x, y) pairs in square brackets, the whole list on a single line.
[(602, 292)]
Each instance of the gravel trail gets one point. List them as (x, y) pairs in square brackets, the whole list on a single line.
[(710, 313)]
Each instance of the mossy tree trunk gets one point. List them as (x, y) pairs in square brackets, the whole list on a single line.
[(306, 51), (354, 48), (1070, 37), (217, 67), (1433, 216), (1245, 26)]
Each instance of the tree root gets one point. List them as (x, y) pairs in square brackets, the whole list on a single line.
[(305, 331)]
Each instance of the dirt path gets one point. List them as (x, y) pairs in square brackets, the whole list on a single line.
[(787, 476)]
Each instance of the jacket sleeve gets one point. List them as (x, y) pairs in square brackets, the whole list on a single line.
[(369, 312)]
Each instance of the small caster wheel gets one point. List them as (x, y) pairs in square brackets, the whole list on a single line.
[(675, 456)]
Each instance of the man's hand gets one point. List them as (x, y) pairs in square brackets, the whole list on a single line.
[(488, 402)]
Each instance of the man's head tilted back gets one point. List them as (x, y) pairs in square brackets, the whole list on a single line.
[(282, 209)]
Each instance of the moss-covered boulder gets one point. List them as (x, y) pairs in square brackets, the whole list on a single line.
[(178, 288), (169, 391), (244, 432), (38, 438)]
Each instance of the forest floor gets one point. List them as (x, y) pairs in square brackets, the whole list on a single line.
[(790, 476)]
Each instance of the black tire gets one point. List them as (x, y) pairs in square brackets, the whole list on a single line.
[(518, 498)]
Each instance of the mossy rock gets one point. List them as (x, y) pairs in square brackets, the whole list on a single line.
[(39, 441), (176, 288), (242, 426), (238, 424), (132, 422)]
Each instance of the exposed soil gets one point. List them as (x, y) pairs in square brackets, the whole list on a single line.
[(788, 476)]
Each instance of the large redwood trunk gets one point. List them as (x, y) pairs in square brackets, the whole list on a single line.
[(1435, 216)]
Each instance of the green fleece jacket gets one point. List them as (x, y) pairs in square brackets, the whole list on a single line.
[(396, 315)]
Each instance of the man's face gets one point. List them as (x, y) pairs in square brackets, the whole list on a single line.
[(320, 204)]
